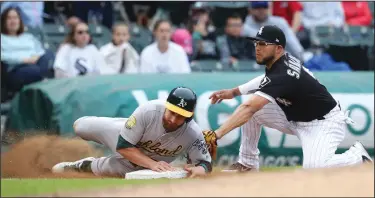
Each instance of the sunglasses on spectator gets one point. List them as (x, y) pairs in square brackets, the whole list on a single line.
[(82, 31), (263, 43)]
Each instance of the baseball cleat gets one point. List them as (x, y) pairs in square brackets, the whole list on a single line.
[(238, 167), (68, 166), (365, 156)]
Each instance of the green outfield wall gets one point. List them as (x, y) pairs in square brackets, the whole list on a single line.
[(53, 106)]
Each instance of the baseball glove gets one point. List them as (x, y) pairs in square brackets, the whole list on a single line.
[(211, 141)]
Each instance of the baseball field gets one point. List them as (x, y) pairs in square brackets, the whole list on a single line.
[(25, 169)]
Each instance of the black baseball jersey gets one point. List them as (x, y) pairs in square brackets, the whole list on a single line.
[(296, 90)]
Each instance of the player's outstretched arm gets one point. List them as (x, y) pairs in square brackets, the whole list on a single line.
[(242, 114), (247, 88), (224, 94), (134, 155)]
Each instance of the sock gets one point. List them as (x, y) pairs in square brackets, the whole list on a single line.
[(86, 166)]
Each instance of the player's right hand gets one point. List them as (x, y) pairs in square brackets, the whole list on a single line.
[(162, 166), (218, 96)]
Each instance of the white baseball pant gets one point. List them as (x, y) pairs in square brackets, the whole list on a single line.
[(319, 138)]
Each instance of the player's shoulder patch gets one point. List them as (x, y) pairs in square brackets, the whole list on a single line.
[(266, 80), (131, 122)]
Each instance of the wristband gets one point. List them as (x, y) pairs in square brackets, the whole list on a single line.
[(206, 165)]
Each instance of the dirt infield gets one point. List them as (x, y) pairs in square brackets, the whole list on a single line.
[(342, 182), (34, 157)]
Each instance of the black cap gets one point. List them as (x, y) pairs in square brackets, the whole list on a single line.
[(270, 34), (182, 100)]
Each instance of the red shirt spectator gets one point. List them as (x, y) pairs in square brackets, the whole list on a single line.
[(357, 13), (287, 10)]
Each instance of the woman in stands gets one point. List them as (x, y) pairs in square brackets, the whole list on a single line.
[(77, 56), (22, 55), (119, 55), (164, 56)]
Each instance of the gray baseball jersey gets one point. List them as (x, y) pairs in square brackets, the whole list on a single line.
[(144, 128)]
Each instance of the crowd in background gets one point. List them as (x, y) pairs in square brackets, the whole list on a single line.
[(177, 34)]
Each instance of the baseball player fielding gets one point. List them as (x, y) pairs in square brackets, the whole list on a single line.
[(290, 99)]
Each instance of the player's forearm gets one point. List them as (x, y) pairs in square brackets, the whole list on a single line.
[(236, 92), (135, 156), (240, 116)]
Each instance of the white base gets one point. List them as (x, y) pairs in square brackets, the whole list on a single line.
[(150, 174)]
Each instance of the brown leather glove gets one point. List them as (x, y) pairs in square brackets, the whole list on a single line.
[(211, 141)]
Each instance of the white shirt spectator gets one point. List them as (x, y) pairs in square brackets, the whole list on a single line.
[(174, 60), (322, 14), (116, 58), (73, 61)]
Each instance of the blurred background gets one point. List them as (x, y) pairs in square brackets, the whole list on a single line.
[(58, 59)]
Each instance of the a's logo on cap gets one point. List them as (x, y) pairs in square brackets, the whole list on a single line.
[(261, 30), (277, 40), (182, 103)]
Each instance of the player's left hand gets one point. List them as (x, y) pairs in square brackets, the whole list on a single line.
[(195, 171)]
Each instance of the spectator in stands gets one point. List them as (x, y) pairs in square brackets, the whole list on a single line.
[(291, 11), (103, 10), (232, 46), (260, 16), (22, 54), (322, 14), (31, 11), (183, 38), (357, 13), (204, 35), (119, 55), (141, 35), (77, 56), (164, 56)]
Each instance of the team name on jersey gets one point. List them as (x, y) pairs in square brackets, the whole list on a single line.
[(152, 147), (295, 66)]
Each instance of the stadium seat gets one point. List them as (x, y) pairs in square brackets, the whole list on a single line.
[(206, 66), (361, 35), (247, 66), (100, 34), (54, 35), (37, 32), (321, 35), (341, 37), (140, 37)]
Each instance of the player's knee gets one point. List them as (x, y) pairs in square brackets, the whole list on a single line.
[(80, 125), (314, 164)]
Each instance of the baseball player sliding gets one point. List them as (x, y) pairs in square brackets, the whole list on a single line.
[(290, 99), (152, 137)]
